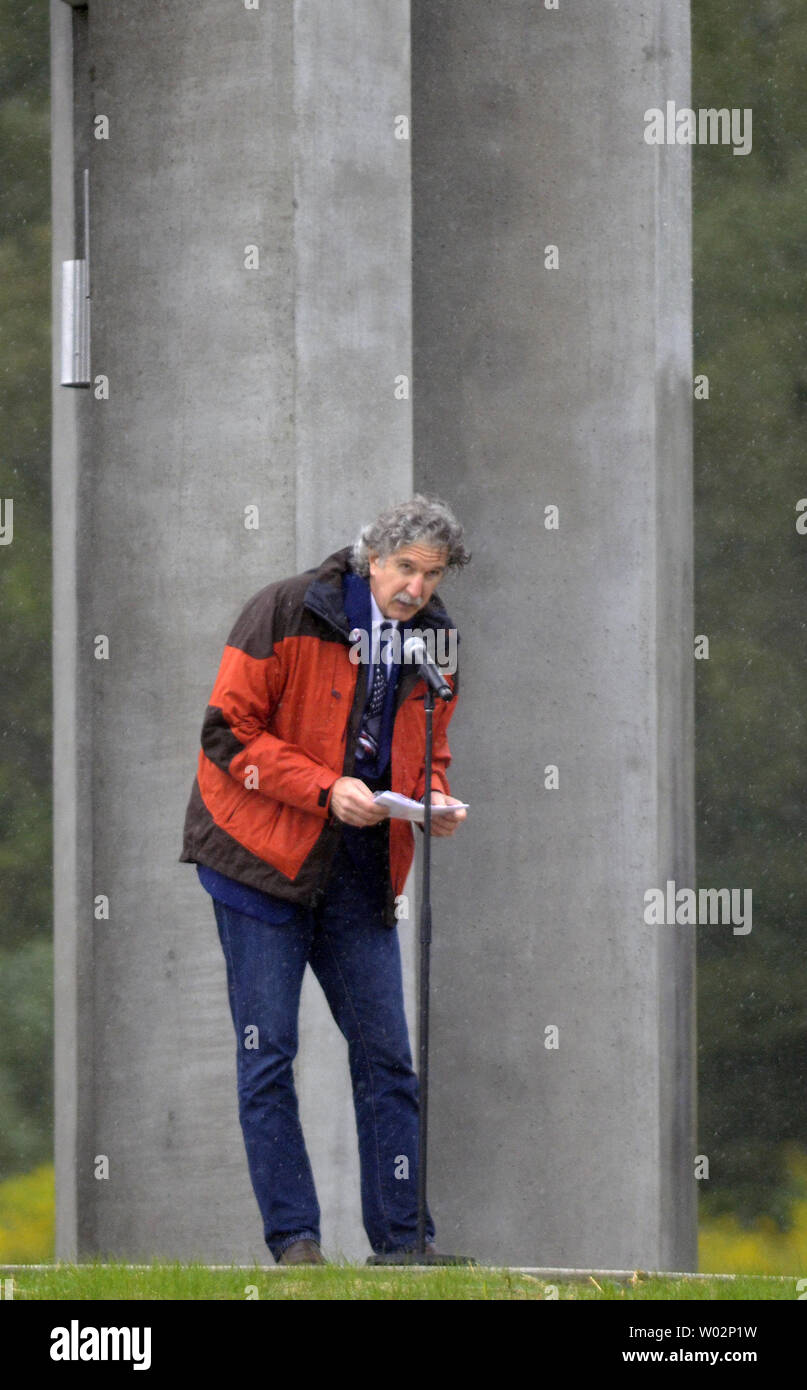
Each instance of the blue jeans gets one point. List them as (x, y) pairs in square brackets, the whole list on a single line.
[(356, 959)]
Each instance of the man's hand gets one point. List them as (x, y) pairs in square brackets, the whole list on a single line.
[(352, 802), (446, 825)]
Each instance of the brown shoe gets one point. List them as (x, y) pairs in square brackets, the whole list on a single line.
[(302, 1252)]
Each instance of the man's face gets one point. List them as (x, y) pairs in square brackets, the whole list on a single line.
[(404, 582)]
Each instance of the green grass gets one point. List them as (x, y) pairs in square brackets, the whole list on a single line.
[(173, 1281)]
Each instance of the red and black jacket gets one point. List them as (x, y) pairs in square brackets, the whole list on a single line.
[(281, 728)]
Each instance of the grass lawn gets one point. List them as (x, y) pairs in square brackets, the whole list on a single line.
[(165, 1280)]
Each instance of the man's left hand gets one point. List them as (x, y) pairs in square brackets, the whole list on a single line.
[(444, 824)]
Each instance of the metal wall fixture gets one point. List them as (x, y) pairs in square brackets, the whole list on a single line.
[(76, 308)]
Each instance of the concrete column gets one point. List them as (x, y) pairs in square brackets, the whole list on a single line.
[(250, 283), (71, 730), (223, 382), (569, 388)]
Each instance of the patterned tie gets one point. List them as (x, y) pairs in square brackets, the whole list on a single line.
[(378, 691)]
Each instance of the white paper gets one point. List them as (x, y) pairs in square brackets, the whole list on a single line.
[(402, 808)]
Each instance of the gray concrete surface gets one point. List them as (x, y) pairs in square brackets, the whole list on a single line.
[(569, 387), (274, 387), (227, 387)]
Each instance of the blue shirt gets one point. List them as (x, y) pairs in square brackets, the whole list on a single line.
[(253, 901)]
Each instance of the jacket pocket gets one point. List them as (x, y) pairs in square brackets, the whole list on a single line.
[(252, 820)]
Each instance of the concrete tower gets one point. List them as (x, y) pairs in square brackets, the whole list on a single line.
[(337, 252)]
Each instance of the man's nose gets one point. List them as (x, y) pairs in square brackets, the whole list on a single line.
[(415, 586)]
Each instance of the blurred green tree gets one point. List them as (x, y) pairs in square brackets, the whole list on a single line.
[(750, 309), (26, 912)]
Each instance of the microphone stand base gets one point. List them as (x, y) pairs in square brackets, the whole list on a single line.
[(411, 1257)]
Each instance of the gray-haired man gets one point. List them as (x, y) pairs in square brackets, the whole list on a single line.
[(305, 868)]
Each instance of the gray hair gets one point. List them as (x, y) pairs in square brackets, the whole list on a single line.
[(426, 519)]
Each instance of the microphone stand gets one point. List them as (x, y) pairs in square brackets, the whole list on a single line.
[(423, 991), (420, 1255)]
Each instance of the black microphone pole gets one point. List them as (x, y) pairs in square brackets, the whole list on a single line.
[(423, 992), (420, 1255)]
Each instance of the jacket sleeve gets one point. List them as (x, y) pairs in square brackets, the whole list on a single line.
[(235, 734)]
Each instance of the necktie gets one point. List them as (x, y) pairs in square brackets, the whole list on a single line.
[(375, 703)]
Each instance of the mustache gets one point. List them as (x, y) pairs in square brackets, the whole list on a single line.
[(404, 598)]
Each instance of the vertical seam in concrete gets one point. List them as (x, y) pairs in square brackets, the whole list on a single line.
[(691, 979), (675, 1093), (84, 714), (657, 745), (657, 627), (657, 622)]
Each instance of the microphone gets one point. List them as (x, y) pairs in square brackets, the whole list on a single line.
[(415, 650)]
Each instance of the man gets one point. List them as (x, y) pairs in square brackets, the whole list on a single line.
[(304, 867)]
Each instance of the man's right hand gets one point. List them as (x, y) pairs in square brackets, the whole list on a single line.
[(352, 802)]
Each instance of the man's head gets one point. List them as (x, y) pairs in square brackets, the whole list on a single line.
[(406, 551)]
